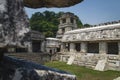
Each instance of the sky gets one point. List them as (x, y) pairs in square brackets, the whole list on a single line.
[(89, 11)]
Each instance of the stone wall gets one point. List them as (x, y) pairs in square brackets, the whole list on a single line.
[(91, 60), (107, 32), (103, 40), (39, 58)]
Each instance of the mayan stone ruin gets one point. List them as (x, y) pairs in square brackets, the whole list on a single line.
[(14, 25)]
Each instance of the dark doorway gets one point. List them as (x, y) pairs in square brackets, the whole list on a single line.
[(21, 50), (112, 48), (36, 46), (50, 51), (68, 46), (77, 47), (64, 21), (58, 49), (63, 30), (71, 20), (93, 47)]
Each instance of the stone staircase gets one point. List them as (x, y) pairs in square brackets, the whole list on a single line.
[(88, 61), (39, 58), (113, 62)]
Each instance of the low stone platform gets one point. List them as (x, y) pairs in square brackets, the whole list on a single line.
[(39, 58), (93, 61)]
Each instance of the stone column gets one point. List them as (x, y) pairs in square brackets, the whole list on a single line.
[(83, 47), (60, 31), (119, 48), (42, 46), (67, 20), (62, 47), (72, 47), (29, 47), (60, 21), (74, 21), (103, 48)]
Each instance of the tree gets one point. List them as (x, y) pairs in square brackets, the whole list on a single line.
[(87, 25), (47, 22), (79, 23)]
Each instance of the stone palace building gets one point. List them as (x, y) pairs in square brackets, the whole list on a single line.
[(97, 47)]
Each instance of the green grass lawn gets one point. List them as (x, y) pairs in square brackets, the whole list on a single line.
[(83, 73)]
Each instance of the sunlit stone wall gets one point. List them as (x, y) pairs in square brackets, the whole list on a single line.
[(14, 23), (107, 32)]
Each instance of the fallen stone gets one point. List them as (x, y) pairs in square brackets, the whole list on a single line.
[(101, 65), (71, 60), (14, 69)]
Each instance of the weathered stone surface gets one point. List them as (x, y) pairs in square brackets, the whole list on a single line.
[(13, 27), (90, 60), (50, 3), (107, 32), (40, 58), (13, 23), (101, 65), (13, 69), (117, 78)]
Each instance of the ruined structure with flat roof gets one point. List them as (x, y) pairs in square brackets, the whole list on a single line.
[(95, 47), (14, 25), (52, 45)]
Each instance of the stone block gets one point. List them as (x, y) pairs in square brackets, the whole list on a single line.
[(101, 65)]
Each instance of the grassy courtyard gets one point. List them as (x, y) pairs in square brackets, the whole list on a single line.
[(83, 73)]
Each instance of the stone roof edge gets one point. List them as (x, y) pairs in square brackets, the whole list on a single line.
[(110, 26), (50, 38)]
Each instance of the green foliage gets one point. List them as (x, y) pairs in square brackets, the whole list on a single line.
[(47, 22), (83, 73), (79, 23), (87, 25)]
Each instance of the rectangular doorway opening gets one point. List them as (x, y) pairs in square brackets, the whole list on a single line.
[(112, 48), (77, 47), (36, 46), (93, 47)]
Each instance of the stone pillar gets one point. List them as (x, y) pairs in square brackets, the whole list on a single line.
[(67, 20), (60, 21), (83, 47), (42, 46), (29, 48), (72, 47), (60, 31), (74, 21), (103, 48), (62, 47), (119, 48)]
